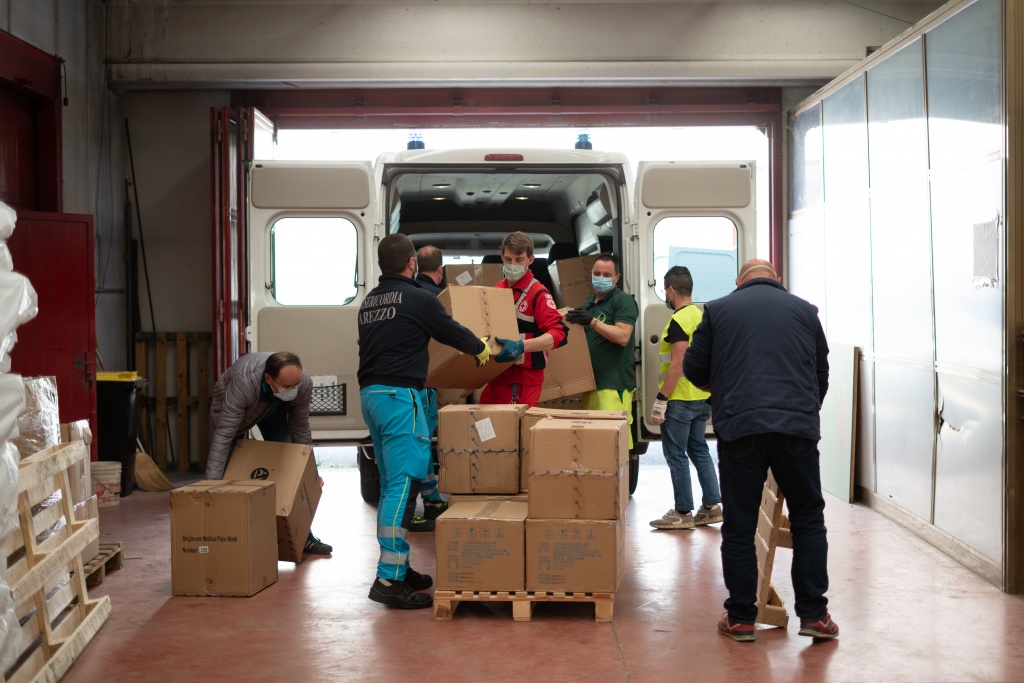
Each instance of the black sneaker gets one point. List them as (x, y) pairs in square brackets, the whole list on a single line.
[(432, 508), (398, 594), (419, 524), (314, 546), (419, 582)]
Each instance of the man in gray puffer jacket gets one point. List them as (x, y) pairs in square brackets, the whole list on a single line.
[(270, 391)]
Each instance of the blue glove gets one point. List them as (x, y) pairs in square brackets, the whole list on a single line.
[(510, 349)]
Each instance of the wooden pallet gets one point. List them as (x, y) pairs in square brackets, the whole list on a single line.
[(109, 559), (445, 602), (772, 532), (56, 618)]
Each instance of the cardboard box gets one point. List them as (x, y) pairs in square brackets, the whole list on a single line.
[(534, 415), (293, 468), (580, 469), (574, 402), (79, 475), (457, 498), (480, 547), (478, 448), (223, 538), (575, 555), (480, 275), (570, 278), (450, 397), (569, 370), (487, 312), (84, 511)]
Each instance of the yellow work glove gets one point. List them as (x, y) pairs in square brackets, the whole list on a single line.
[(485, 355)]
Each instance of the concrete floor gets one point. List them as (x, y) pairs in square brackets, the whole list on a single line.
[(907, 612)]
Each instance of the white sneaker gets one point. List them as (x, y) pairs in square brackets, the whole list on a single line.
[(673, 520)]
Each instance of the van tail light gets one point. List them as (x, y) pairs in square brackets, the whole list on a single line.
[(503, 157)]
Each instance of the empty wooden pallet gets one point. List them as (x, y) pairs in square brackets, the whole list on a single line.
[(445, 602), (110, 558)]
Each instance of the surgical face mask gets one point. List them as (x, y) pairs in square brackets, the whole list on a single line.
[(602, 285), (668, 301), (513, 272), (286, 394)]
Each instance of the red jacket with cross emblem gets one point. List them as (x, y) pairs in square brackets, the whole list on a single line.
[(536, 314)]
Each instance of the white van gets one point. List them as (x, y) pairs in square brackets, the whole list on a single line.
[(313, 230)]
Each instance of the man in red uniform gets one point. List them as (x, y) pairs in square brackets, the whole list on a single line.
[(540, 328)]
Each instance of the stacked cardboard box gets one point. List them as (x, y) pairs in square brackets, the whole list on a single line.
[(579, 490), (478, 448), (534, 415), (569, 371), (480, 275), (480, 546), (571, 280)]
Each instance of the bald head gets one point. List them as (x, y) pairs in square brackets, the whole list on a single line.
[(755, 268)]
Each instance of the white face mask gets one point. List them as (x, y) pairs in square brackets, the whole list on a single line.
[(287, 394), (513, 272)]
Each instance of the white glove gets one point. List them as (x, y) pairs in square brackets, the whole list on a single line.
[(658, 411)]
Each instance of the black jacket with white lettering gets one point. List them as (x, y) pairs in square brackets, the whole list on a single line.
[(396, 322)]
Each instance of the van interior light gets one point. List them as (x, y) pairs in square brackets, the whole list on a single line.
[(531, 185), (522, 197), (439, 199), (503, 157), (442, 184)]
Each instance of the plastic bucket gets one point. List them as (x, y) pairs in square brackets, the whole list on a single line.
[(106, 478)]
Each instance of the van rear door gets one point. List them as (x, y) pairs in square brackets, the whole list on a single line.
[(698, 215), (310, 253)]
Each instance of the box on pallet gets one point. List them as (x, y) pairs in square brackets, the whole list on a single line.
[(575, 555), (535, 415), (574, 402), (480, 547), (487, 312), (479, 274), (478, 448), (570, 279), (488, 498), (293, 468), (223, 538), (579, 469), (569, 370)]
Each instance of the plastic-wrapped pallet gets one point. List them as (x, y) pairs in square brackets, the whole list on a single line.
[(18, 304), (12, 397), (39, 420), (7, 220)]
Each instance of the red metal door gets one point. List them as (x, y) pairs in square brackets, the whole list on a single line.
[(55, 252)]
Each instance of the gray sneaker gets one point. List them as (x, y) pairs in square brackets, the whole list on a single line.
[(705, 516), (673, 520)]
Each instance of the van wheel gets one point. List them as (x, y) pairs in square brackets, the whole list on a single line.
[(369, 475), (634, 472)]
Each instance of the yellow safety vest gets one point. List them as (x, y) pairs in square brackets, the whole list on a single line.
[(688, 317)]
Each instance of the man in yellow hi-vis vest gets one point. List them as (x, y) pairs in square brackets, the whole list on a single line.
[(682, 411)]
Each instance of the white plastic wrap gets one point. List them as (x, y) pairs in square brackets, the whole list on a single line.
[(6, 262), (8, 217), (8, 624), (39, 420), (12, 400), (8, 522), (18, 302), (6, 345)]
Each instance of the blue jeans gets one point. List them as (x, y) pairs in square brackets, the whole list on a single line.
[(428, 487), (682, 435), (398, 429), (744, 467)]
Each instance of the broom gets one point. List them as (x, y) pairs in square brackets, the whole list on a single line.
[(148, 476)]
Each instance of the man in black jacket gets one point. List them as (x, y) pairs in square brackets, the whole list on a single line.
[(397, 319), (762, 353)]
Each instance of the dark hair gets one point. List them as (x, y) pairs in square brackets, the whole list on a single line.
[(393, 253), (280, 360), (606, 256), (679, 279), (517, 242), (429, 258)]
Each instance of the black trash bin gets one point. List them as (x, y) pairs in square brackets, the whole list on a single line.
[(117, 421)]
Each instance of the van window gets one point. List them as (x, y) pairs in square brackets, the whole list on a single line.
[(706, 245), (313, 261)]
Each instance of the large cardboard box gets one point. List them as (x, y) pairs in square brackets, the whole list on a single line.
[(487, 312), (293, 468), (480, 547), (580, 469), (574, 402), (575, 555), (570, 278), (457, 498), (478, 448), (480, 275), (569, 370), (534, 415), (223, 538), (450, 397)]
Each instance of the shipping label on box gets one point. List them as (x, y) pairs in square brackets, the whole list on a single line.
[(534, 415), (293, 468), (488, 312), (478, 448), (575, 555), (480, 275), (571, 280), (223, 538), (480, 547), (569, 370)]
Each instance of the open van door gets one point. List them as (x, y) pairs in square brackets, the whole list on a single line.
[(311, 250), (695, 214)]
